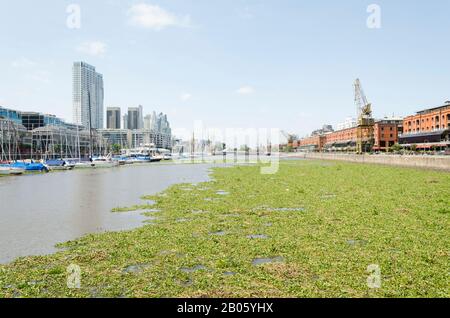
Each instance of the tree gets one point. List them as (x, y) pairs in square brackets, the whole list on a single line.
[(395, 148), (116, 148)]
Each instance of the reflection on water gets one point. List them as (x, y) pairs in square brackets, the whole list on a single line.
[(38, 211)]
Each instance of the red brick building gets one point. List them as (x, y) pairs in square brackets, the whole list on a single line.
[(311, 144), (428, 129), (386, 133)]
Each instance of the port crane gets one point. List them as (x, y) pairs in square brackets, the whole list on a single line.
[(365, 129)]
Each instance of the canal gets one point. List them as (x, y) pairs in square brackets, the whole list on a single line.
[(39, 211)]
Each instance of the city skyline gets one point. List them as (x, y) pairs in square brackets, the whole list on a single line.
[(265, 68)]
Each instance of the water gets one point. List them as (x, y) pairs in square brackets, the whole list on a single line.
[(258, 236), (267, 260), (39, 211), (193, 269)]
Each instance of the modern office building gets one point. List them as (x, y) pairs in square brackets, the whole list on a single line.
[(120, 137), (133, 118), (349, 122), (25, 135), (10, 114), (33, 120), (158, 123), (113, 118), (147, 122), (88, 94)]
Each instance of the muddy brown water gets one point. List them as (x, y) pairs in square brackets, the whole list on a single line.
[(39, 211)]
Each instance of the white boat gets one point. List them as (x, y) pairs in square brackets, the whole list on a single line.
[(60, 168), (84, 165), (7, 170), (104, 162), (144, 154)]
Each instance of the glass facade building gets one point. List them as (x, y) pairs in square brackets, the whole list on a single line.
[(88, 95)]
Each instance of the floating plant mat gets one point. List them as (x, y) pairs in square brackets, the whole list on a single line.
[(335, 239)]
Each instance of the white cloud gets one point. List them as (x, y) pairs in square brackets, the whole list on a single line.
[(185, 97), (23, 63), (245, 90), (94, 48), (155, 18)]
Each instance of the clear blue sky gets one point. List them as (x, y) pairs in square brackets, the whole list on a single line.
[(231, 63)]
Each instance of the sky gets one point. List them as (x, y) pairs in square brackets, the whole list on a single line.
[(287, 64)]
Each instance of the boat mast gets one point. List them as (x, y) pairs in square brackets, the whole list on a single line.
[(90, 125)]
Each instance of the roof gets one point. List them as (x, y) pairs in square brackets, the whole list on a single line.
[(433, 109)]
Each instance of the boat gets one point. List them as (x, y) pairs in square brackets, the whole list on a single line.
[(84, 164), (59, 165), (31, 167), (122, 160), (136, 158), (104, 162), (8, 170)]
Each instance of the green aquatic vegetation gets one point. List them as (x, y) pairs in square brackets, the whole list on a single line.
[(133, 208), (323, 224)]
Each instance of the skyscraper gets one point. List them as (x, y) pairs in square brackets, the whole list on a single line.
[(147, 122), (141, 117), (87, 95), (133, 118), (113, 118)]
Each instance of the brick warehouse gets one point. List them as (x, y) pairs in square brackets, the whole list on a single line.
[(428, 129), (386, 133)]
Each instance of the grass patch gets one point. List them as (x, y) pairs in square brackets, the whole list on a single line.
[(325, 224)]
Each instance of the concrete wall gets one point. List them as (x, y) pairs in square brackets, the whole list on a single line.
[(430, 162)]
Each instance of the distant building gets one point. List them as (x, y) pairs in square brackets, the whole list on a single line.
[(87, 95), (428, 129), (120, 137), (133, 118), (325, 129), (113, 118), (140, 117), (386, 133), (33, 120), (349, 122), (25, 135), (147, 122), (12, 115), (125, 121)]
